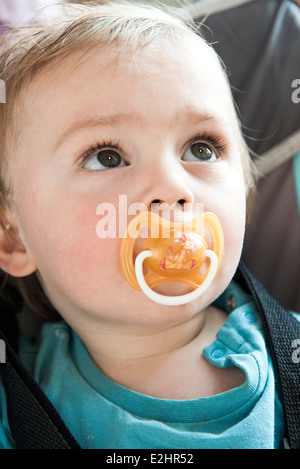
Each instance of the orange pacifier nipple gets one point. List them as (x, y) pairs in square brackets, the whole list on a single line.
[(172, 252)]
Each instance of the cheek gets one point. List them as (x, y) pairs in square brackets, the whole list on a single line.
[(228, 201), (232, 217), (61, 237), (88, 266)]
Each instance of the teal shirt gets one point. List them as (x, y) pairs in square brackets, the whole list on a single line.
[(103, 414)]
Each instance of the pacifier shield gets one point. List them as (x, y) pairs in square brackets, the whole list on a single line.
[(172, 252)]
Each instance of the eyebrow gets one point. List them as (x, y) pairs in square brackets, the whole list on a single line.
[(112, 119), (87, 124)]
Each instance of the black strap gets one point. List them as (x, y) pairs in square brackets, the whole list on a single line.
[(281, 330), (34, 422), (11, 303)]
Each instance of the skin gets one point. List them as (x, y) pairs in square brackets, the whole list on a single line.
[(56, 195)]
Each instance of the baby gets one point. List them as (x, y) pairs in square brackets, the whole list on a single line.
[(120, 99)]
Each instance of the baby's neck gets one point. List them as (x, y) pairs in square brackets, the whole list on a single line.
[(129, 343), (162, 362)]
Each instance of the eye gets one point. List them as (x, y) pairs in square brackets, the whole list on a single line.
[(200, 151), (103, 159)]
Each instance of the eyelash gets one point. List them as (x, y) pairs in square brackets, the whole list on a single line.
[(208, 138), (94, 149), (213, 140)]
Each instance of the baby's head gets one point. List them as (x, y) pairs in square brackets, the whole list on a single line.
[(115, 99)]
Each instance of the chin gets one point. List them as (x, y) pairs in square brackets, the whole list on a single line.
[(149, 313)]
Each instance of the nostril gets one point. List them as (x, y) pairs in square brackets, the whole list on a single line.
[(157, 201)]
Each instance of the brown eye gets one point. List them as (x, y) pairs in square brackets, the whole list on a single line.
[(104, 159), (202, 151), (109, 158), (199, 152)]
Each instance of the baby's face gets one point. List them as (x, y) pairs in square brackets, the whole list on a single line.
[(150, 114)]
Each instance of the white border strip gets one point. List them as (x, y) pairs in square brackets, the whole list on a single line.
[(213, 6)]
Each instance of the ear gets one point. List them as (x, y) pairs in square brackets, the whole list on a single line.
[(14, 258)]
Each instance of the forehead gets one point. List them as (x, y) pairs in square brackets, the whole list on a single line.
[(181, 76)]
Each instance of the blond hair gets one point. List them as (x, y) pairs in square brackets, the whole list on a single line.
[(28, 50)]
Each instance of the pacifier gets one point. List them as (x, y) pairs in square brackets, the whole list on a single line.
[(172, 252)]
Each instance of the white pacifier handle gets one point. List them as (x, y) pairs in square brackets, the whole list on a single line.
[(174, 300)]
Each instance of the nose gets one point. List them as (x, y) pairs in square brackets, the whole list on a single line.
[(168, 186)]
